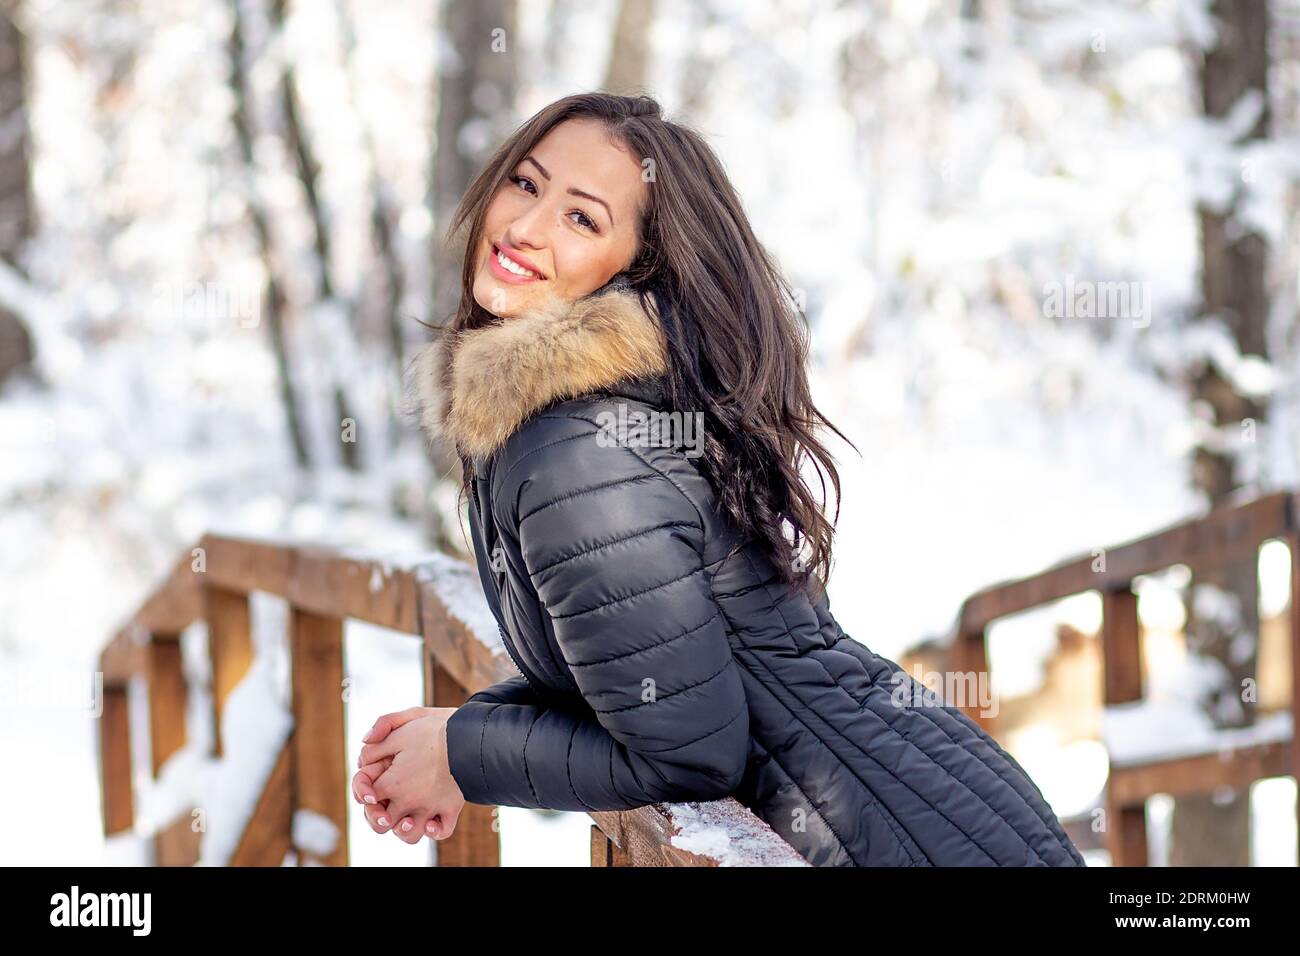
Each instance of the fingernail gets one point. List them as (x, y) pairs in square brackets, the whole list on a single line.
[(366, 738), (406, 826), (383, 821), (369, 798)]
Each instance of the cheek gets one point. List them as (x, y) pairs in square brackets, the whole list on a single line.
[(500, 213), (584, 264)]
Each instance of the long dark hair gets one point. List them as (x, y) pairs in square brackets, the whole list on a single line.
[(738, 343)]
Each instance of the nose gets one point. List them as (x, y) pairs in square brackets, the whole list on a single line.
[(531, 228)]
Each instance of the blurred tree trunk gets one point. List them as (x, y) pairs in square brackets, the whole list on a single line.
[(379, 300), (17, 216), (307, 167), (383, 209), (626, 72), (1210, 830), (273, 298)]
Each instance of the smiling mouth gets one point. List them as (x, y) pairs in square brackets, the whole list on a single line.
[(509, 265)]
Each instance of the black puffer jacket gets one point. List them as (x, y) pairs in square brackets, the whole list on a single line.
[(652, 669)]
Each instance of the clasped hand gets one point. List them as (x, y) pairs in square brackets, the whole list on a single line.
[(404, 781)]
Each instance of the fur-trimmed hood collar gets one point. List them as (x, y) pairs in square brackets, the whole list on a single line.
[(475, 387)]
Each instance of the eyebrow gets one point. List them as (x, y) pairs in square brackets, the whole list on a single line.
[(572, 191)]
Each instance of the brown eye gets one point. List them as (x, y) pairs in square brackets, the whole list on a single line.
[(521, 180)]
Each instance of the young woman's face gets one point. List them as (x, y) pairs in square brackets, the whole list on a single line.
[(566, 220)]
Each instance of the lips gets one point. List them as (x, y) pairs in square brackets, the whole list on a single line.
[(515, 264)]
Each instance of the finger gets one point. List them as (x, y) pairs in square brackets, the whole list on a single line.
[(373, 753), (386, 785), (362, 790), (409, 830), (363, 782), (379, 817), (445, 823), (409, 818), (384, 750), (386, 724), (365, 776)]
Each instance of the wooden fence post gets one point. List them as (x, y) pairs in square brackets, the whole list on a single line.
[(319, 754), (115, 760), (605, 852), (230, 648), (1294, 620), (970, 655), (178, 843), (1121, 649)]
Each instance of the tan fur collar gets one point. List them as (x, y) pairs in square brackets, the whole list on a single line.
[(476, 387)]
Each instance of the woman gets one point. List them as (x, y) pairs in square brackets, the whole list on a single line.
[(674, 643)]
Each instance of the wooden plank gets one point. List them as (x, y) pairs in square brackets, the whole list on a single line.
[(476, 840), (175, 603), (466, 659), (1121, 647), (167, 697), (643, 837), (1126, 834), (1201, 773), (268, 835), (320, 775), (1293, 615), (126, 655), (178, 843), (242, 565), (325, 583), (168, 610), (317, 579), (605, 852), (1225, 533), (230, 647), (116, 793), (600, 847), (969, 655)]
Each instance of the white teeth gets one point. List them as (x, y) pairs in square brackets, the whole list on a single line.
[(511, 266)]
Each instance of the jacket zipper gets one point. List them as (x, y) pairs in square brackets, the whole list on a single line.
[(505, 642)]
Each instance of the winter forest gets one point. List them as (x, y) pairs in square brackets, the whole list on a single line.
[(1048, 252)]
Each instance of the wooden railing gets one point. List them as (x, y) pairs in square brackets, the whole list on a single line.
[(1226, 534), (323, 589)]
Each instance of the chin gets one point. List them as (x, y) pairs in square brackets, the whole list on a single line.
[(507, 301), (495, 298)]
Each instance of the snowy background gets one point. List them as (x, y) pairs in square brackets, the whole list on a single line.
[(924, 198)]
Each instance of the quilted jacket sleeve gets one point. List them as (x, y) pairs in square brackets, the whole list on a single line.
[(614, 549), (512, 690)]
